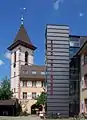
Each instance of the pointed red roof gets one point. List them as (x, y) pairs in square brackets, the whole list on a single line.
[(23, 39)]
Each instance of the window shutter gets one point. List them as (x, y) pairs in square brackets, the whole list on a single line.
[(29, 95), (21, 83), (21, 95), (29, 84), (38, 83)]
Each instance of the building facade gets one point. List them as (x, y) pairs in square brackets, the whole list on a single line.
[(78, 92), (57, 68), (65, 73), (27, 79), (74, 82), (83, 77), (74, 44)]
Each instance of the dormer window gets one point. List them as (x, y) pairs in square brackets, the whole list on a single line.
[(26, 58)]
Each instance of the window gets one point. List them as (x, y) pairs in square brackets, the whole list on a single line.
[(14, 90), (25, 71), (34, 95), (85, 80), (83, 106), (86, 104), (85, 59), (33, 72), (42, 73), (42, 84), (24, 95), (82, 83), (14, 59), (14, 74), (33, 83), (74, 43), (14, 65), (26, 58), (73, 50), (24, 83)]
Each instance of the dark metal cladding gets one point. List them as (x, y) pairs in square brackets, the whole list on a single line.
[(57, 68)]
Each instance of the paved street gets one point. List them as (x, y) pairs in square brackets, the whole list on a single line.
[(26, 118), (20, 118)]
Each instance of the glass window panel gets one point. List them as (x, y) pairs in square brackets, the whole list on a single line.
[(24, 95)]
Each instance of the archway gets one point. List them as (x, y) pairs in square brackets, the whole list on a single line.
[(34, 107)]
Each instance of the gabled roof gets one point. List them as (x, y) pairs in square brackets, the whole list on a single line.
[(22, 38), (8, 102), (22, 35)]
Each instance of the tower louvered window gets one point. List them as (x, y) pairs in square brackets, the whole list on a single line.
[(14, 59), (26, 58)]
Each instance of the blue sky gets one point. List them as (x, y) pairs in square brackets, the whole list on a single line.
[(38, 14)]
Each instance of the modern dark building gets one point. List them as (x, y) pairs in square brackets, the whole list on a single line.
[(57, 68), (76, 71), (74, 83), (74, 86)]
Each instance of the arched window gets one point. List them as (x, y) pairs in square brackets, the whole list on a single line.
[(26, 58), (14, 59)]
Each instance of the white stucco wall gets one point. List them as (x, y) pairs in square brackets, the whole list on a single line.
[(81, 82), (20, 60), (30, 56)]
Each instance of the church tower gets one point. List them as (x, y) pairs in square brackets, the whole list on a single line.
[(22, 53)]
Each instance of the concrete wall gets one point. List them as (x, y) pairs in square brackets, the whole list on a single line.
[(57, 61)]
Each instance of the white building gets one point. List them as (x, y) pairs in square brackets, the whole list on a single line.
[(27, 79)]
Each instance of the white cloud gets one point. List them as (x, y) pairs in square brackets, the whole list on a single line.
[(1, 62), (8, 55), (81, 14), (56, 4)]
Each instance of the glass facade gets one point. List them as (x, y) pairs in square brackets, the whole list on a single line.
[(74, 44)]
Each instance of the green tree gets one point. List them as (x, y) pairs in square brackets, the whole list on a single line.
[(5, 92), (41, 99)]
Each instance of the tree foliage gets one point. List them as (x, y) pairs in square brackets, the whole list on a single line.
[(5, 92), (41, 99)]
